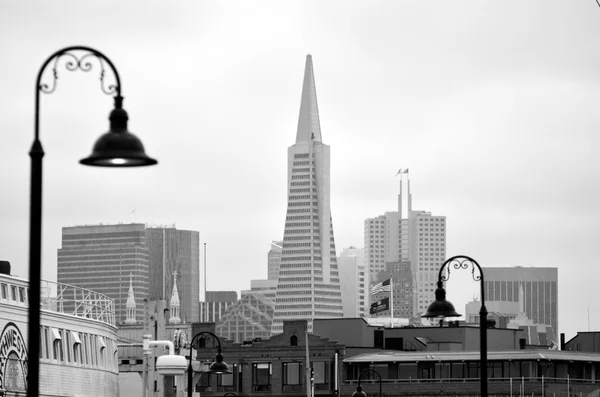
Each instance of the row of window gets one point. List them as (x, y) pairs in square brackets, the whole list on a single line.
[(75, 348), (17, 293)]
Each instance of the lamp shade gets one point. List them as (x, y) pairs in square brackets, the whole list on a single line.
[(359, 392), (219, 366), (118, 147), (440, 307)]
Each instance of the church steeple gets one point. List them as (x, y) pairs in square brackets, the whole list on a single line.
[(174, 304), (130, 304), (309, 127)]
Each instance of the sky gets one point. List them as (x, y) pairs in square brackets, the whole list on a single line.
[(492, 105)]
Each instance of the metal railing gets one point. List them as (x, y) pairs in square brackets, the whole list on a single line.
[(76, 301)]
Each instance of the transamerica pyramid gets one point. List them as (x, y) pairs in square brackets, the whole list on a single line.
[(308, 285)]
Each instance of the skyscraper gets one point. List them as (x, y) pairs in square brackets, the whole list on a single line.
[(107, 259), (308, 283), (102, 258), (171, 250), (354, 282), (274, 260), (399, 238), (540, 290)]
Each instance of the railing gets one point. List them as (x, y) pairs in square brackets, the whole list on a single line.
[(76, 301), (290, 388), (261, 387), (515, 380)]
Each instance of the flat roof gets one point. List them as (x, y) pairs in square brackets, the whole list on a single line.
[(517, 355)]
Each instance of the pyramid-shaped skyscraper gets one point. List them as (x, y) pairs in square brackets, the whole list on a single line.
[(308, 285)]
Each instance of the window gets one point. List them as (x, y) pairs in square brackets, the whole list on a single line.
[(77, 352), (294, 340), (13, 292), (261, 376), (226, 382), (57, 344), (47, 348), (292, 376), (4, 291), (21, 294), (68, 345)]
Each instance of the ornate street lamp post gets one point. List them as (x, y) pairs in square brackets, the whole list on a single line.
[(217, 367), (359, 392), (116, 148), (442, 308)]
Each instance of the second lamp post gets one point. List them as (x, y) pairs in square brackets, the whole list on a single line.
[(217, 367), (442, 308)]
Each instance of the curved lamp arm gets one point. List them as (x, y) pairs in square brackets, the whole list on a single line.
[(359, 392), (461, 262), (73, 63)]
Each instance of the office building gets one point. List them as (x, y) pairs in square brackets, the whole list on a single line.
[(540, 291), (104, 258), (407, 237), (216, 304), (107, 259), (354, 280), (308, 284), (267, 288), (171, 250), (274, 260)]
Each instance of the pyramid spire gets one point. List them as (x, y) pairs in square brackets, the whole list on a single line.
[(309, 127)]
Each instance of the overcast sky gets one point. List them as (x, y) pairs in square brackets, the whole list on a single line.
[(493, 105)]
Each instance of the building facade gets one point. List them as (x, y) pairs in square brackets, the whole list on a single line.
[(172, 250), (274, 260), (216, 304), (354, 279), (427, 253), (540, 291), (105, 258), (249, 318), (308, 284), (417, 238)]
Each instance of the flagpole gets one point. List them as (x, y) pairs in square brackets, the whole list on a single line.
[(392, 300)]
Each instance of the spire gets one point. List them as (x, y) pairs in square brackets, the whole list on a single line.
[(175, 294), (309, 127), (174, 302), (130, 297), (130, 304)]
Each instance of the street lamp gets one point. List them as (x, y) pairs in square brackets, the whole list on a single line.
[(442, 308), (359, 392), (116, 148), (217, 367)]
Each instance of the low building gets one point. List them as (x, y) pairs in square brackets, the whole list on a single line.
[(272, 366), (584, 342)]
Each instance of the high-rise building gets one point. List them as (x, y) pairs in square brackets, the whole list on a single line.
[(308, 284), (540, 291), (402, 289), (216, 304), (427, 253), (172, 250), (406, 237), (102, 257), (274, 260), (107, 259), (354, 280)]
